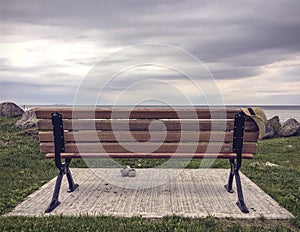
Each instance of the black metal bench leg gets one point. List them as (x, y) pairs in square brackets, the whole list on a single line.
[(72, 185), (55, 202), (59, 146), (241, 203), (228, 186), (237, 147)]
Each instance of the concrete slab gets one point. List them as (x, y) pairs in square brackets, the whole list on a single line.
[(153, 193)]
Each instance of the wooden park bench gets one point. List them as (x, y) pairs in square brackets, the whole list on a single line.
[(67, 133)]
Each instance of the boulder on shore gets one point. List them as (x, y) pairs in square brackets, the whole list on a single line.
[(270, 132), (9, 109), (289, 128), (28, 120), (272, 127)]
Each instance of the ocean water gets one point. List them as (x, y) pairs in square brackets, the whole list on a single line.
[(283, 112)]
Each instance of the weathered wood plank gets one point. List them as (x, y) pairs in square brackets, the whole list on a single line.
[(139, 147), (144, 125), (145, 136), (137, 113), (151, 155)]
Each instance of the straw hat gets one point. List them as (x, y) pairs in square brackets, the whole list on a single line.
[(259, 117)]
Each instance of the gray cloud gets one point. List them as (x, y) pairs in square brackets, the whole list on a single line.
[(23, 92), (236, 39)]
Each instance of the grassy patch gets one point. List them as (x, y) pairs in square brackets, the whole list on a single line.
[(107, 223), (280, 182), (23, 169)]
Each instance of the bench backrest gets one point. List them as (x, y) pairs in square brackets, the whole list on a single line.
[(163, 131)]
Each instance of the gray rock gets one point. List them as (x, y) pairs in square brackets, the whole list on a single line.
[(275, 123), (10, 109), (270, 132), (272, 128), (289, 128), (28, 120)]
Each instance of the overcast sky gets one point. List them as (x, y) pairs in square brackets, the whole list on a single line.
[(248, 52)]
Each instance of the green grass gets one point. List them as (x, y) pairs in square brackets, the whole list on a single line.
[(102, 224), (23, 169), (282, 182)]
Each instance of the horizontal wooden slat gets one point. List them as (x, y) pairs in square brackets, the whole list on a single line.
[(139, 147), (144, 125), (144, 136), (137, 113), (151, 155)]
